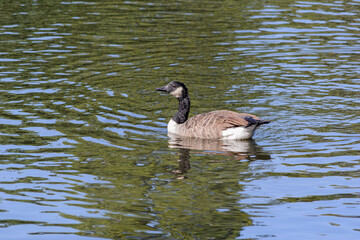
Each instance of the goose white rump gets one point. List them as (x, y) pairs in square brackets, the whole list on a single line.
[(240, 133)]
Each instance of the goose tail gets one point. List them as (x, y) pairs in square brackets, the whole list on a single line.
[(263, 122)]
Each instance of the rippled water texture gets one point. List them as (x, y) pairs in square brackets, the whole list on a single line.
[(84, 150)]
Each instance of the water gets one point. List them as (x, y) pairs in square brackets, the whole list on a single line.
[(84, 151)]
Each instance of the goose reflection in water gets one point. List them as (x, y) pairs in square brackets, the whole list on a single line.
[(238, 149)]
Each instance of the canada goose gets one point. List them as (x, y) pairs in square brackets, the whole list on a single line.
[(220, 124)]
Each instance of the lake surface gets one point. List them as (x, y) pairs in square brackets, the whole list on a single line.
[(84, 151)]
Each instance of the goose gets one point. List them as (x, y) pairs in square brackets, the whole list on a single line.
[(219, 124)]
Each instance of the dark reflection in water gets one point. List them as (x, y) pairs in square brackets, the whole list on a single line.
[(83, 145), (184, 161), (238, 150), (243, 149)]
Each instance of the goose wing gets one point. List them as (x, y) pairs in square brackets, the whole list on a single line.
[(211, 124), (233, 119)]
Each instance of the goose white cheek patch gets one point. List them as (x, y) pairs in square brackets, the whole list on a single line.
[(177, 93)]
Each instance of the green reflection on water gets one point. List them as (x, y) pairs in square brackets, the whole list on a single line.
[(146, 194)]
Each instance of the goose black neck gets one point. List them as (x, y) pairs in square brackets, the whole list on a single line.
[(184, 108)]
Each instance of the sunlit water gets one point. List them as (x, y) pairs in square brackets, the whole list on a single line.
[(84, 149)]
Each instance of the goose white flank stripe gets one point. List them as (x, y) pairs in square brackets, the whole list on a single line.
[(220, 124)]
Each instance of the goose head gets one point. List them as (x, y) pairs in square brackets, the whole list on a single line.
[(175, 88)]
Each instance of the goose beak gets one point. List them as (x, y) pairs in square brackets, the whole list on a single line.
[(162, 89)]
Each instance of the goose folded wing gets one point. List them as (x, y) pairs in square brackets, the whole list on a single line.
[(240, 121)]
